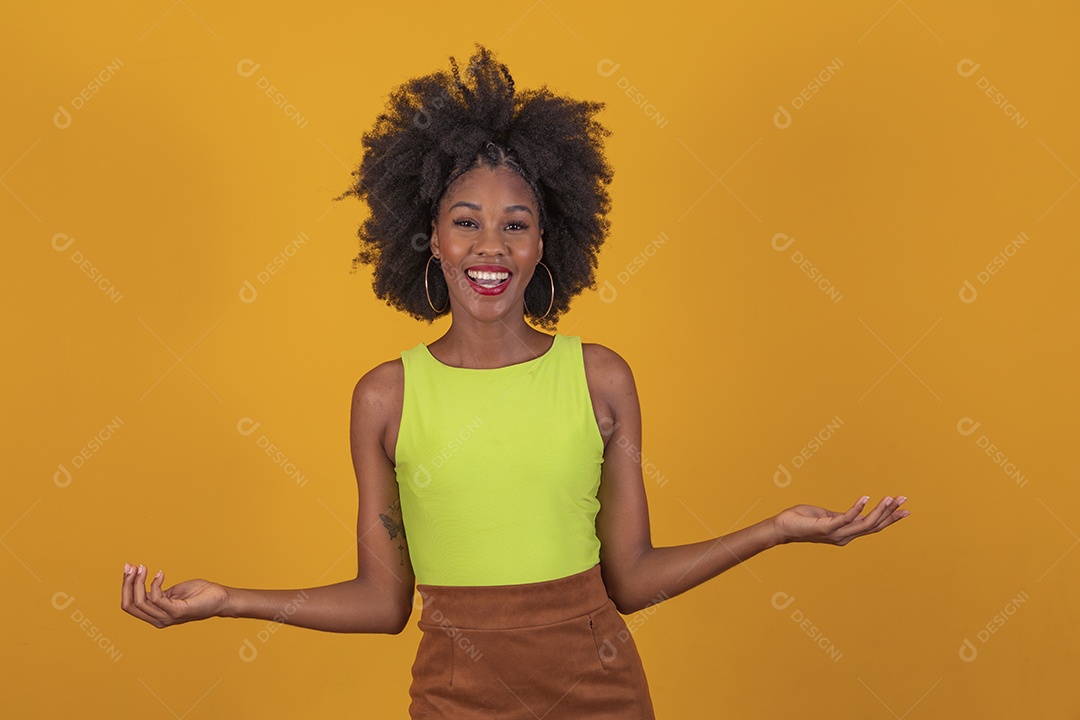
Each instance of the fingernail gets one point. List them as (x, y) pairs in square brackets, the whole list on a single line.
[(901, 500), (142, 569), (888, 502), (127, 568), (864, 498), (158, 574)]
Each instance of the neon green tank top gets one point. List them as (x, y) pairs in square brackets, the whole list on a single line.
[(498, 469)]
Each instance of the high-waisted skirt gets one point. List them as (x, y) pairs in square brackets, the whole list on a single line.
[(552, 650)]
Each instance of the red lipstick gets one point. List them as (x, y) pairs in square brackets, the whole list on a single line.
[(490, 280)]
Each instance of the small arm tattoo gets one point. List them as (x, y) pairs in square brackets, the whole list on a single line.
[(395, 526)]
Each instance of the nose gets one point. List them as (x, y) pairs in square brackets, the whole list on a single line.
[(490, 242)]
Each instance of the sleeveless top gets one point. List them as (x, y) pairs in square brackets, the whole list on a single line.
[(498, 469)]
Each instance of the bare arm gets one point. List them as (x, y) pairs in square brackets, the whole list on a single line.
[(638, 574), (377, 600)]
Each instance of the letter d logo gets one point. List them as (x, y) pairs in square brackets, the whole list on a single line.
[(62, 118), (782, 477), (248, 293), (246, 426), (62, 477), (248, 651), (607, 67), (608, 293), (247, 67), (781, 600), (966, 426), (967, 67), (63, 238), (61, 600), (782, 118), (422, 477), (782, 238), (968, 293)]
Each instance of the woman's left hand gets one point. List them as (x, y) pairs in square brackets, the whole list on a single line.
[(809, 523)]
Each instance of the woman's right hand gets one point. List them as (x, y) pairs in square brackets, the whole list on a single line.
[(181, 603)]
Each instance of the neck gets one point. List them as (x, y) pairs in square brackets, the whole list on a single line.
[(489, 345)]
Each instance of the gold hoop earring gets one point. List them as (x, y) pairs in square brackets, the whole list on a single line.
[(551, 302), (428, 292)]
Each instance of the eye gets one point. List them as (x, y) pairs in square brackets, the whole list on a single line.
[(518, 226), (464, 223)]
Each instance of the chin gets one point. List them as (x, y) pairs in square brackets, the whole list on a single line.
[(490, 314)]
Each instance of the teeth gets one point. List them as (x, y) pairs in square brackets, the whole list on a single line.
[(479, 275)]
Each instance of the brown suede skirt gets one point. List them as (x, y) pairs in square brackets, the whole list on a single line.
[(555, 649)]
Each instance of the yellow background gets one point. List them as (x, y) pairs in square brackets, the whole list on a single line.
[(179, 179)]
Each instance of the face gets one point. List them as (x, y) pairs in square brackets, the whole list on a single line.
[(488, 237)]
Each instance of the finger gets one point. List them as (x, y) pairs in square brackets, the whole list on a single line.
[(159, 600), (127, 596), (857, 508), (879, 511), (125, 588), (886, 519), (859, 527), (836, 521), (143, 603), (155, 587), (853, 512), (138, 587), (890, 518)]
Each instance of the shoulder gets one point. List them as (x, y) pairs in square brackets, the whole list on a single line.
[(606, 369), (380, 386), (611, 385)]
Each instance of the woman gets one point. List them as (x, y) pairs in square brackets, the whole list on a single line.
[(498, 450)]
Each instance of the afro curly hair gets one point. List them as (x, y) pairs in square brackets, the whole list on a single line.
[(437, 127)]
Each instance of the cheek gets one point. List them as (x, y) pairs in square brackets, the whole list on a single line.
[(530, 249), (450, 242)]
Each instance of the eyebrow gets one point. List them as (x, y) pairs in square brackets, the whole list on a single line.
[(474, 206)]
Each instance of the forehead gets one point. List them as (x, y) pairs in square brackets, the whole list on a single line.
[(499, 183)]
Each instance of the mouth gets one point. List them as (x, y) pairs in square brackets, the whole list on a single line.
[(488, 279)]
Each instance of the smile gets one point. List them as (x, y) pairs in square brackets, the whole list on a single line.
[(488, 279)]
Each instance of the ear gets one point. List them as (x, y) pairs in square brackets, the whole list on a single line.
[(434, 239)]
